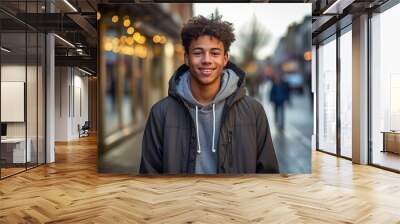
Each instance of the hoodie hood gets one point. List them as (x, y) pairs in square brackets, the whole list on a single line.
[(208, 118), (229, 82)]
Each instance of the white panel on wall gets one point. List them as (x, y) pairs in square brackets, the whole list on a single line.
[(12, 101), (13, 73)]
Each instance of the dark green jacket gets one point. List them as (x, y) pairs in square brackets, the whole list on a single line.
[(244, 146)]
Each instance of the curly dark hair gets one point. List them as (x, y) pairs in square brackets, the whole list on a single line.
[(215, 27)]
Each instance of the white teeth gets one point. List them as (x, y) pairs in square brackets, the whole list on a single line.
[(206, 70)]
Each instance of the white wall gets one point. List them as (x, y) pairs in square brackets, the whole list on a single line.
[(62, 81), (81, 82), (71, 93)]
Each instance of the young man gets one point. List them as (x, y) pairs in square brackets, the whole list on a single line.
[(207, 124)]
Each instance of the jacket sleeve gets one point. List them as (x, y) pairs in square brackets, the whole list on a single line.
[(266, 157), (151, 162)]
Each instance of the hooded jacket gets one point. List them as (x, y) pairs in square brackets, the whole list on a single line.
[(175, 142)]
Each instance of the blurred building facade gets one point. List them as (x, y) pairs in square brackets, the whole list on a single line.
[(140, 48)]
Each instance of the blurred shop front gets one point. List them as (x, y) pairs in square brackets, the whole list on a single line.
[(139, 49)]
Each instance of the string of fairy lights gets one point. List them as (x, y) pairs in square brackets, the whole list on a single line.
[(131, 42)]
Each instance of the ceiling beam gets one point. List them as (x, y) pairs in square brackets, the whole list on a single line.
[(81, 61), (338, 6), (84, 24)]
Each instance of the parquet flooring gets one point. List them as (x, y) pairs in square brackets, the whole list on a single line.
[(71, 191), (9, 171)]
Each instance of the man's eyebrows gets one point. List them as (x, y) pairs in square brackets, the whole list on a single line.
[(202, 49)]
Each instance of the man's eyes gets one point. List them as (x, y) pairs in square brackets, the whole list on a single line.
[(212, 53)]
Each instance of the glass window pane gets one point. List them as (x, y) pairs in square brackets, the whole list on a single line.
[(385, 89), (327, 97), (22, 78), (346, 94), (14, 151), (31, 97)]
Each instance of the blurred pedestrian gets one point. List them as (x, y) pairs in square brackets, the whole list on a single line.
[(278, 96)]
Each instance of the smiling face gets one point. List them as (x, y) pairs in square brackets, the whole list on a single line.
[(206, 59)]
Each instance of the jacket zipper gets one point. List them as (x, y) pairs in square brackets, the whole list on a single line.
[(227, 144), (229, 150), (192, 143)]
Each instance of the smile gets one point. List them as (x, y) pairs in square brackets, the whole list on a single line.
[(206, 71)]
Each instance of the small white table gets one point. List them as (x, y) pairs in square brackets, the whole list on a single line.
[(19, 155)]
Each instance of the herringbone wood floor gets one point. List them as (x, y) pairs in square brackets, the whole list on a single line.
[(71, 191)]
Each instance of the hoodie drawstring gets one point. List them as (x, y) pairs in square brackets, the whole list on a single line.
[(197, 130), (213, 136)]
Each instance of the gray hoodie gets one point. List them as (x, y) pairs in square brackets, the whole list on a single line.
[(207, 118)]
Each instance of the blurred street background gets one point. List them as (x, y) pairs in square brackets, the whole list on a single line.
[(141, 48)]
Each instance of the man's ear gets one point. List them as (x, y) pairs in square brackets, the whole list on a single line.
[(226, 59), (186, 58)]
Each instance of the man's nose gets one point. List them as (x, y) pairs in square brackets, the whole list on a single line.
[(206, 58)]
